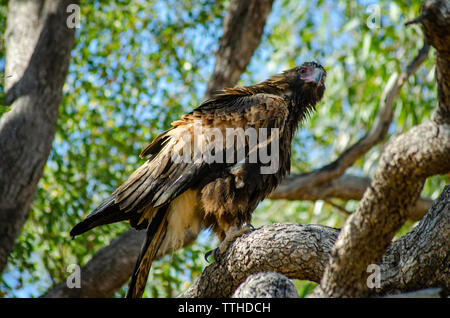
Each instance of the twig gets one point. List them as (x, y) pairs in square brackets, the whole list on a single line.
[(346, 187), (419, 19), (338, 207)]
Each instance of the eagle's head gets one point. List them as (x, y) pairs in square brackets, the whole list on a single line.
[(305, 84)]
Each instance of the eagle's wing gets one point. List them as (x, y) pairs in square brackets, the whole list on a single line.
[(160, 179)]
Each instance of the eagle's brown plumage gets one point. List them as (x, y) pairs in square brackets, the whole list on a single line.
[(175, 200)]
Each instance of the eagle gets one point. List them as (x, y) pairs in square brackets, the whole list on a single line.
[(212, 167)]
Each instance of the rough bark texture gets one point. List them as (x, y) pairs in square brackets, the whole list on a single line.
[(38, 46), (398, 180), (421, 257), (242, 30), (405, 164), (303, 252), (243, 27), (424, 293), (266, 285), (294, 250)]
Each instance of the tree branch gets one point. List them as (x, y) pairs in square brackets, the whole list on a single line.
[(107, 271), (303, 252), (346, 187), (405, 164), (435, 20), (294, 250), (424, 293), (335, 169), (242, 30), (420, 258)]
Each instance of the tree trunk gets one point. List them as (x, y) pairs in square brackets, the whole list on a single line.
[(38, 46)]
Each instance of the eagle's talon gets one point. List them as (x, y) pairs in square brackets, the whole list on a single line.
[(231, 237), (250, 228)]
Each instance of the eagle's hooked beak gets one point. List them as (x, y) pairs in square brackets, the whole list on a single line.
[(318, 76)]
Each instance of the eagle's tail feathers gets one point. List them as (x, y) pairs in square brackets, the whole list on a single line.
[(156, 232)]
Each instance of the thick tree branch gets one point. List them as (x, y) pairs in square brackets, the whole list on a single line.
[(424, 293), (294, 250), (405, 164), (243, 27), (38, 46), (242, 30), (346, 187), (118, 258), (303, 252), (335, 169), (420, 259)]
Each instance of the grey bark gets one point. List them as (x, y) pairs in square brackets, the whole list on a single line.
[(304, 251), (435, 21), (424, 293), (405, 164), (294, 250), (421, 258), (38, 46), (243, 28), (266, 285)]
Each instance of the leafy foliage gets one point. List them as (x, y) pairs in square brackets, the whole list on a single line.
[(138, 65)]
